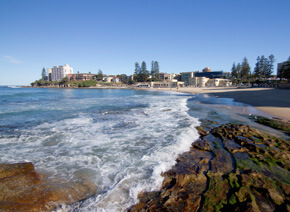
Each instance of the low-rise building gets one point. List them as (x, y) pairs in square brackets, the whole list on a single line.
[(222, 82), (116, 80), (163, 76), (168, 84), (210, 75), (80, 77), (108, 79), (205, 78), (186, 77)]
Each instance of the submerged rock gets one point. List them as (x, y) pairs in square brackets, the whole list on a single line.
[(230, 168), (23, 189)]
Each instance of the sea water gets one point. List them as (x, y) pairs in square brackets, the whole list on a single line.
[(121, 139)]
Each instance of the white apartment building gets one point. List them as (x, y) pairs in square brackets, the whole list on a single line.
[(59, 72)]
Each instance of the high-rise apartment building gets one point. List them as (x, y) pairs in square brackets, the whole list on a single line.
[(59, 72)]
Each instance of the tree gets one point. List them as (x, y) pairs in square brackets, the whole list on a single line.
[(143, 67), (234, 71), (257, 69), (263, 65), (100, 75), (245, 70), (238, 67), (288, 58), (137, 72), (143, 72), (43, 74), (152, 69), (155, 70), (269, 66), (64, 81)]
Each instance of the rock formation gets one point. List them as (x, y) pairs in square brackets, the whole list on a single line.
[(23, 189), (230, 168)]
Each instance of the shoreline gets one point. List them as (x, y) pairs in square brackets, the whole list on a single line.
[(183, 173), (275, 102)]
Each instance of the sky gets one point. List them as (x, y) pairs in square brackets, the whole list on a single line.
[(111, 35)]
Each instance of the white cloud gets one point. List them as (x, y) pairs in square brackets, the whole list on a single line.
[(11, 59)]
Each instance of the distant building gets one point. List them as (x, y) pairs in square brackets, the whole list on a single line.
[(222, 82), (171, 76), (204, 81), (206, 69), (116, 80), (166, 84), (80, 77), (59, 72), (186, 77), (49, 71), (108, 78), (210, 75), (163, 76), (205, 78)]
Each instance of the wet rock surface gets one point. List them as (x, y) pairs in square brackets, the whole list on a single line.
[(230, 168), (23, 189)]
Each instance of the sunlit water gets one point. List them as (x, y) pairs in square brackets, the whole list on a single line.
[(121, 139)]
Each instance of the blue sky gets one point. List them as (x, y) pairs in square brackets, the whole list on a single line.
[(111, 35)]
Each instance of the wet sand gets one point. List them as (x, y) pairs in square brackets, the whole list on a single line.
[(273, 101)]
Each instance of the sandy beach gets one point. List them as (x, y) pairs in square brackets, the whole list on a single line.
[(272, 101)]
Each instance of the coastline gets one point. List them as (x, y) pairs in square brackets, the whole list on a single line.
[(275, 102), (205, 162)]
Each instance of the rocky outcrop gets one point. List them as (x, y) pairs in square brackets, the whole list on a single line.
[(23, 189), (230, 168)]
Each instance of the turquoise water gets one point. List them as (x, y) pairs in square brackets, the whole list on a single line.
[(120, 139)]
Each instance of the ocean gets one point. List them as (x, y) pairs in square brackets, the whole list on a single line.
[(122, 140)]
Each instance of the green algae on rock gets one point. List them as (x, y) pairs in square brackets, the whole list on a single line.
[(230, 168), (274, 123)]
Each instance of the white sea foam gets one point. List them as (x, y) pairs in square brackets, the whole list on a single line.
[(122, 151)]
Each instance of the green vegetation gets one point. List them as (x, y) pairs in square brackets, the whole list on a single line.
[(100, 75), (155, 71), (247, 171), (233, 180), (141, 74), (264, 67), (215, 196), (232, 199), (81, 84), (276, 124), (241, 73), (65, 83)]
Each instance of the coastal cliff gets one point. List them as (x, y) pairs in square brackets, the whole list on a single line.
[(230, 168)]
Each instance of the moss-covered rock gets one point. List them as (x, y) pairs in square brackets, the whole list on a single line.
[(230, 168), (274, 123)]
